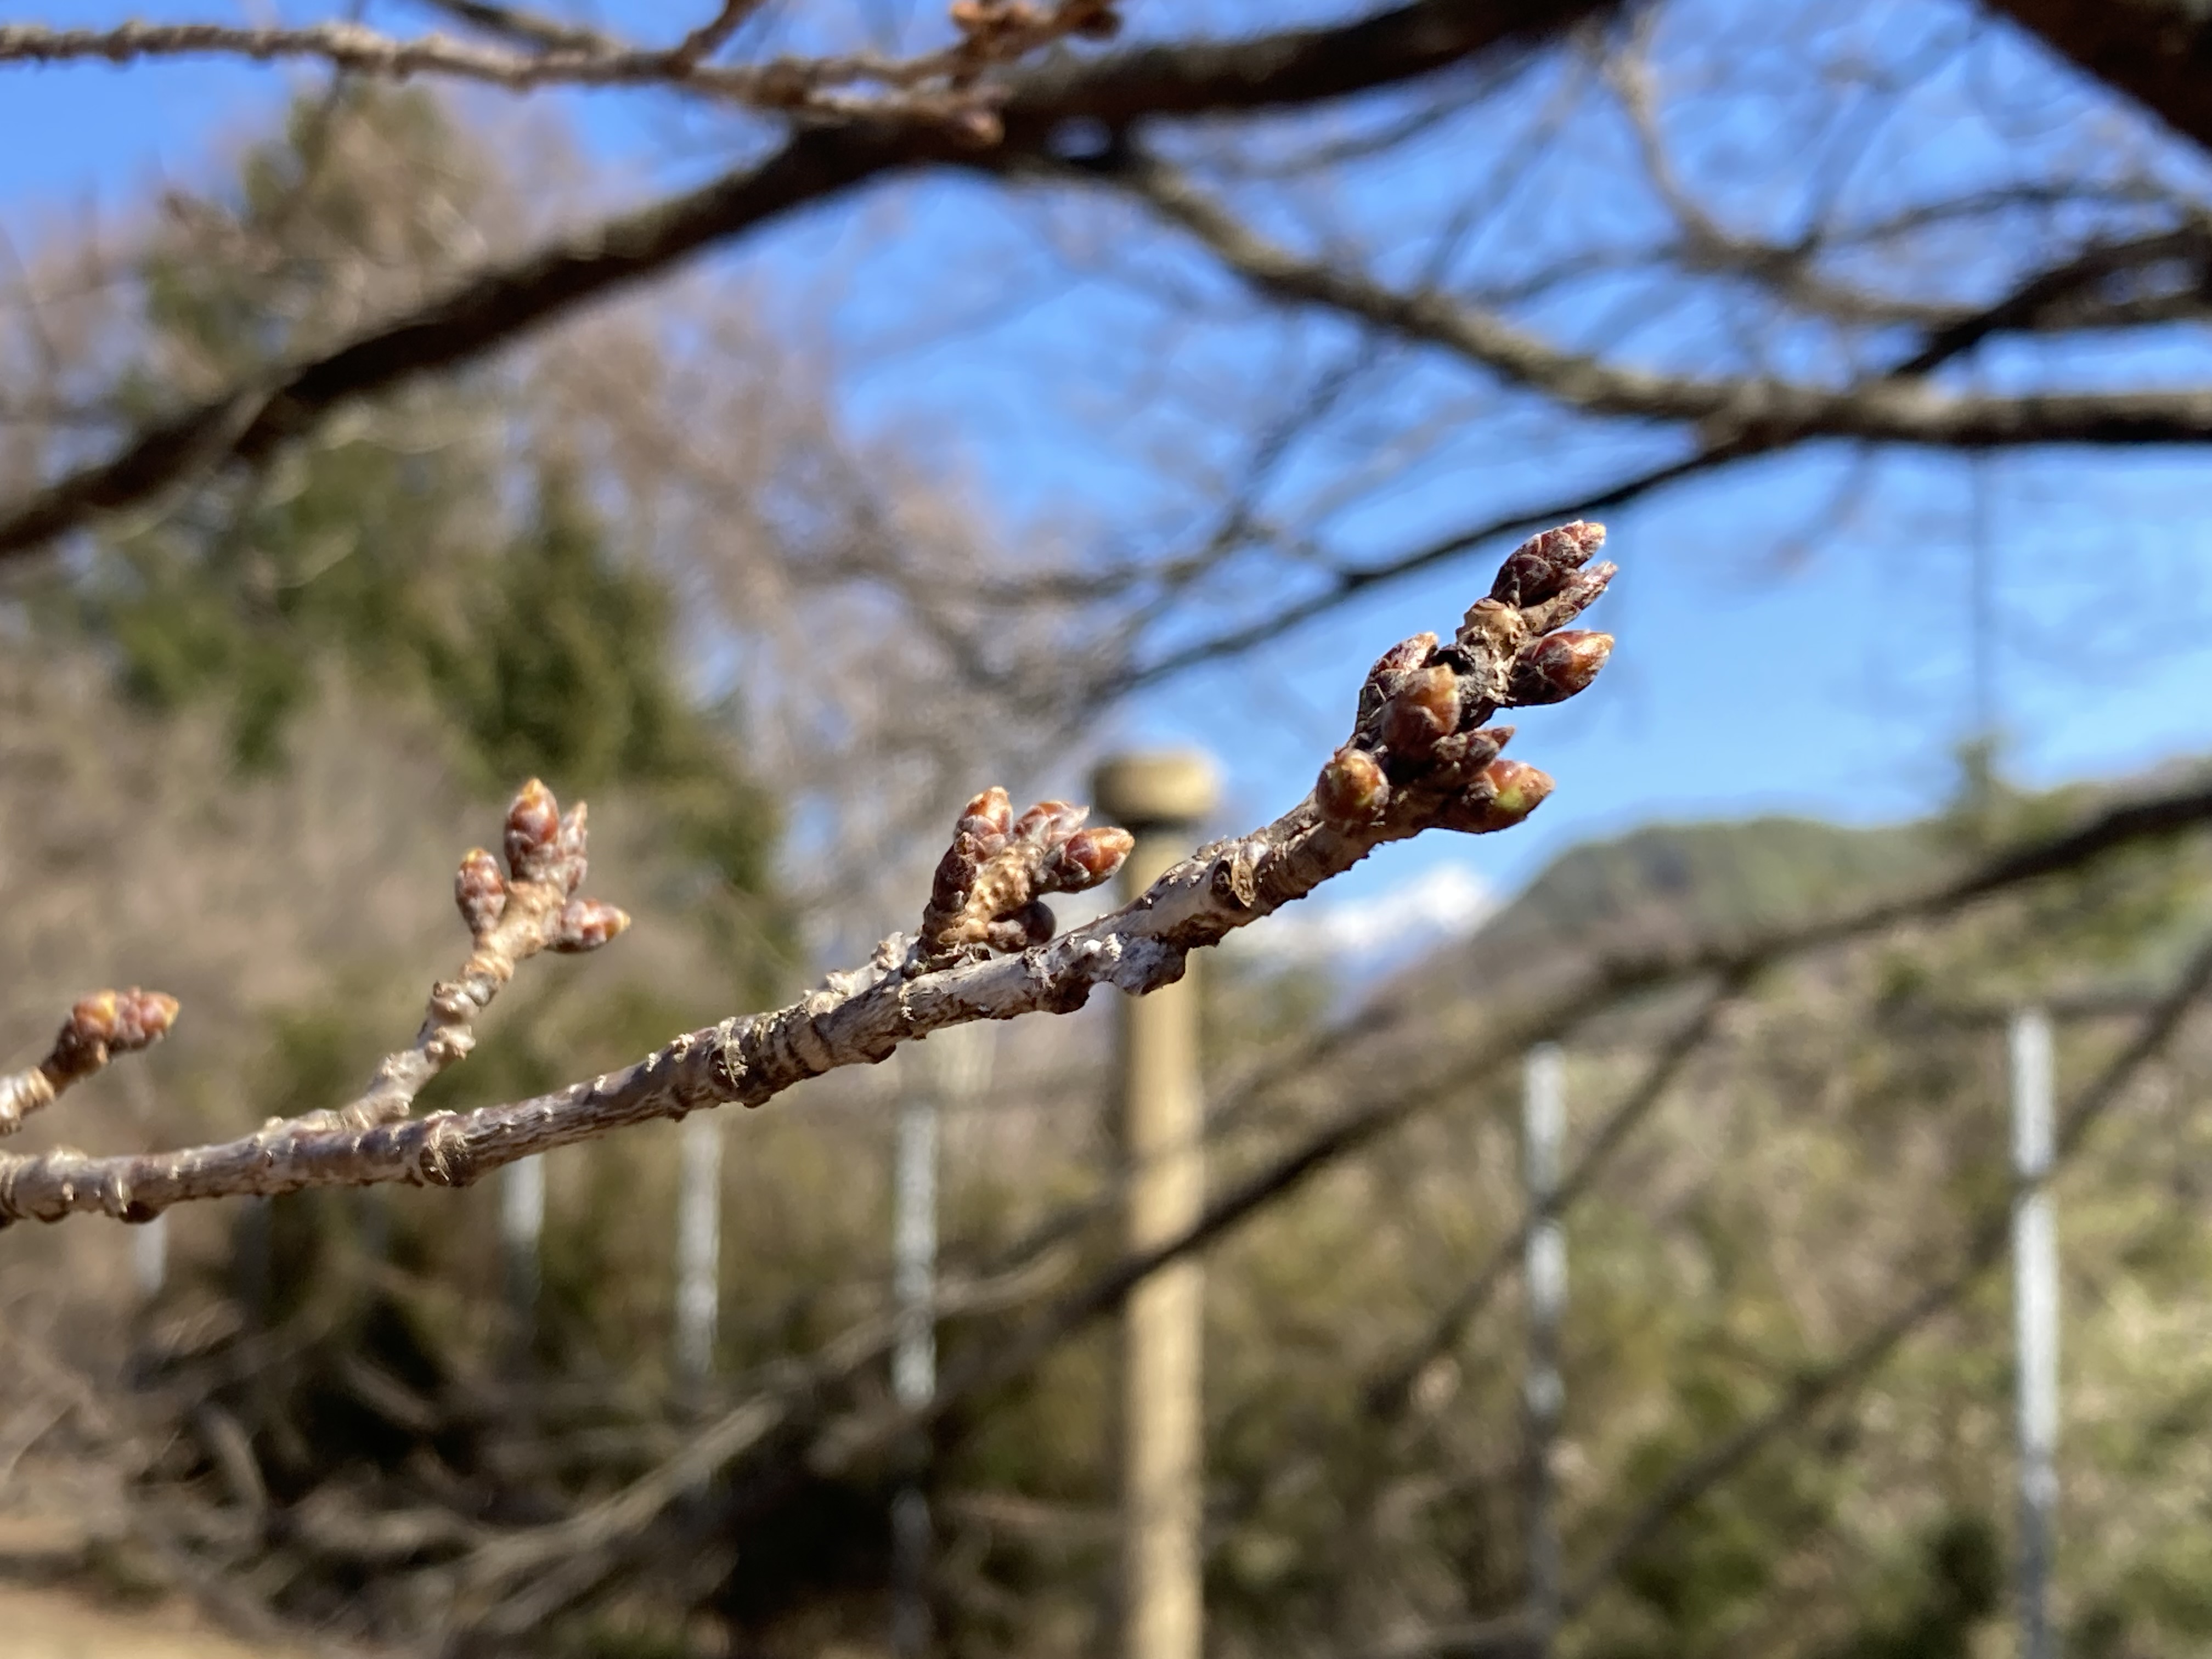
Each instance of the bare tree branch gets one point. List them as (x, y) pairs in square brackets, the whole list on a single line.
[(1724, 409), (1419, 757), (1295, 67), (756, 1434), (840, 1445), (940, 85)]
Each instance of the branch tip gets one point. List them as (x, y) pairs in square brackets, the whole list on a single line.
[(99, 1027)]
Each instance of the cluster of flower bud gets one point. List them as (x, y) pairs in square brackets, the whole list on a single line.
[(105, 1023), (1420, 725), (998, 28), (990, 885), (544, 849)]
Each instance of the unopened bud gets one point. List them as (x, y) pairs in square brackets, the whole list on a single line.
[(1505, 793), (1049, 823), (1352, 792), (1464, 754), (1401, 659), (1423, 708), (1089, 857), (586, 925), (575, 839), (533, 832), (479, 892), (987, 817), (1535, 570), (110, 1023), (1559, 665), (1576, 594)]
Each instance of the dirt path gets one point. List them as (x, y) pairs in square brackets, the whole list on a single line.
[(43, 1624)]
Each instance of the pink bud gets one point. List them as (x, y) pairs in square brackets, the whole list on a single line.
[(110, 1022), (1089, 857), (1352, 792), (586, 925), (479, 893), (533, 832), (1047, 824), (1423, 708), (1401, 659), (1506, 793), (1536, 570), (1559, 665), (575, 839), (986, 819)]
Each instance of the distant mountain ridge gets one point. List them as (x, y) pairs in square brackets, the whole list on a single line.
[(1729, 876), (1735, 878)]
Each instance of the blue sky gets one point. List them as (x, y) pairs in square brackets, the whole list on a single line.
[(1796, 636)]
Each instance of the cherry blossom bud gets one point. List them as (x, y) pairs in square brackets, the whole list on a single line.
[(1576, 594), (574, 841), (1423, 708), (479, 892), (1352, 792), (987, 817), (1559, 665), (1401, 659), (1047, 824), (109, 1023), (1536, 570), (533, 832), (586, 925), (1089, 857), (1465, 753), (1506, 793)]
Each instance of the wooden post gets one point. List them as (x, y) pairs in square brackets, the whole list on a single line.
[(2035, 1323), (698, 1246), (1161, 799), (1543, 1122)]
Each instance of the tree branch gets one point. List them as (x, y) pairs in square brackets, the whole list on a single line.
[(838, 1444), (1419, 757), (1726, 410), (485, 311), (842, 1445), (99, 1027), (938, 85)]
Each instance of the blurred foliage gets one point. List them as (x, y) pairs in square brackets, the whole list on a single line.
[(433, 548)]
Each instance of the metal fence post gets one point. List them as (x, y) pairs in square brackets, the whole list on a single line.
[(521, 1226), (698, 1246), (953, 1064), (149, 1257), (1543, 1125), (2035, 1323)]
